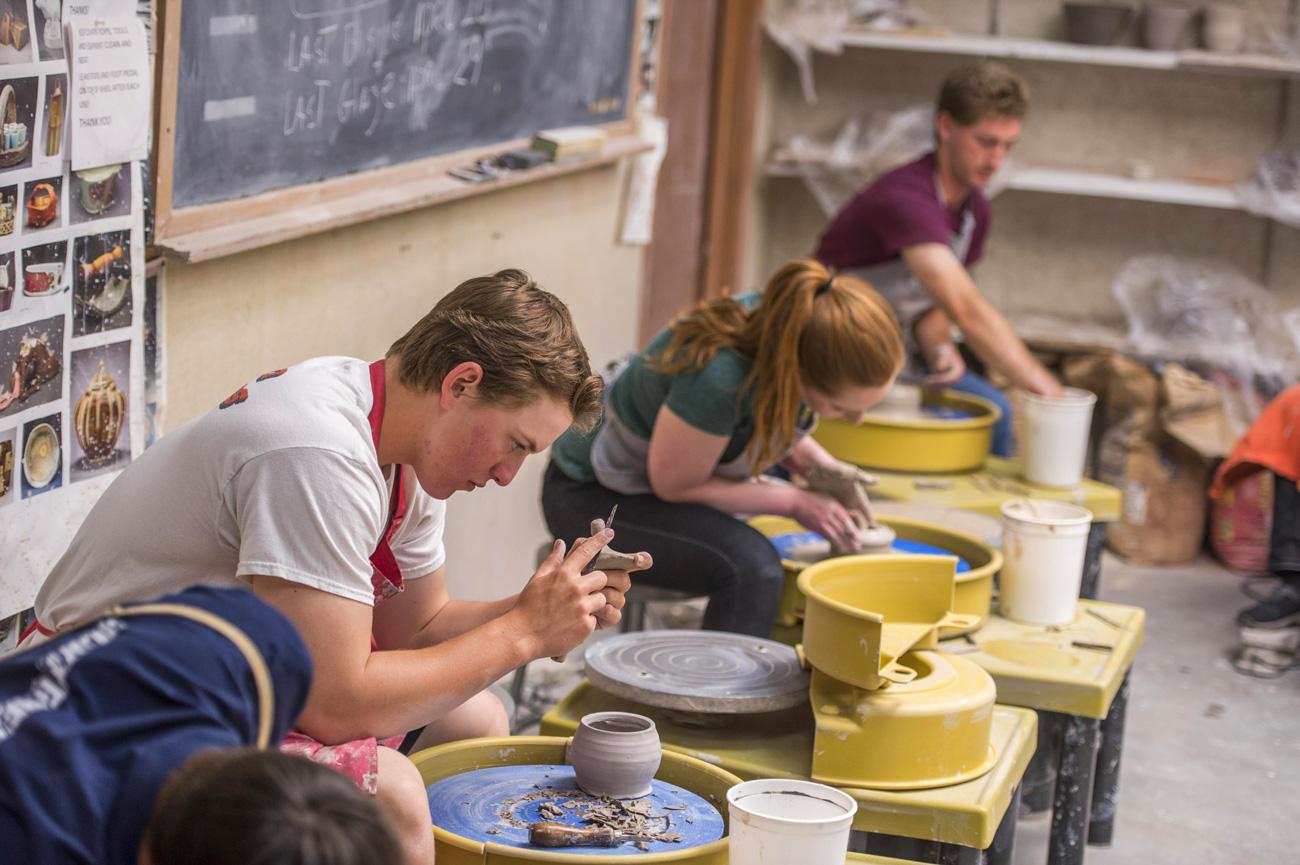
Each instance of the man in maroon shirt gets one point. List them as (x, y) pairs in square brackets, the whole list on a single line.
[(916, 231)]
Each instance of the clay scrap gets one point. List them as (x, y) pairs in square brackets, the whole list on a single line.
[(611, 560), (636, 817)]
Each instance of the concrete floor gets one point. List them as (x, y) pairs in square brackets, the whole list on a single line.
[(1211, 765)]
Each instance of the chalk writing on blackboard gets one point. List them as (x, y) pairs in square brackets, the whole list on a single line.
[(284, 92)]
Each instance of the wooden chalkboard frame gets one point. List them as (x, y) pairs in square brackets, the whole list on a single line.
[(209, 231)]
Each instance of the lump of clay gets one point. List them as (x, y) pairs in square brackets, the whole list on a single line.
[(876, 539), (611, 560)]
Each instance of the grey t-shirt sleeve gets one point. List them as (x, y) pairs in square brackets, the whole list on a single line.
[(310, 516)]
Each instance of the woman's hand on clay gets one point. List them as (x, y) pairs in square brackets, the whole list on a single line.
[(860, 507), (946, 367), (827, 517), (560, 606)]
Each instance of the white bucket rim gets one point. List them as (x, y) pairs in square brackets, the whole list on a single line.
[(1040, 512), (768, 786), (1071, 398)]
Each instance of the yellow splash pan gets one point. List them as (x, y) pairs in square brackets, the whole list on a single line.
[(930, 732), (862, 613), (974, 588), (434, 764), (916, 444)]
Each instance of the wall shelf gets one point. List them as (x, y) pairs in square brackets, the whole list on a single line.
[(1108, 186), (1065, 182), (1067, 52)]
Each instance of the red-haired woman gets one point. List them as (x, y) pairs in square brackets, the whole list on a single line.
[(717, 398)]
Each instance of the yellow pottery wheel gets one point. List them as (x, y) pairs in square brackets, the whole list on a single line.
[(974, 587), (930, 732), (434, 764), (863, 612), (916, 444)]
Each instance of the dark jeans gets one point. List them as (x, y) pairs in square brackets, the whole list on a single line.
[(695, 548), (1002, 430), (1284, 541)]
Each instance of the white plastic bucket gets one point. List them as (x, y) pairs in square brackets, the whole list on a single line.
[(1043, 547), (776, 822), (1056, 437)]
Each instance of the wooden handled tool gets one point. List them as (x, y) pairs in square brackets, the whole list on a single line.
[(101, 263), (590, 566), (563, 835)]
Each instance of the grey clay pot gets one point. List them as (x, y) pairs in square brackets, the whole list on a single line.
[(615, 754)]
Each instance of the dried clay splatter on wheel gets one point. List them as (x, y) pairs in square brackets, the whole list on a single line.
[(497, 804)]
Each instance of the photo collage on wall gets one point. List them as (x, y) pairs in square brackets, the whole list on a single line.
[(71, 296)]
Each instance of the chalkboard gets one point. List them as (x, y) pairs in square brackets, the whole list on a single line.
[(279, 93)]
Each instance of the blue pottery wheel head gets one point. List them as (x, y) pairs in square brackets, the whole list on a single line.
[(496, 805), (789, 541)]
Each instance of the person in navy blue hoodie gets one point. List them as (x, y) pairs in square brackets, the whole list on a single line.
[(149, 700)]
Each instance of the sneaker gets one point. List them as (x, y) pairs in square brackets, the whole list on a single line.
[(1278, 610), (1282, 640), (1263, 663)]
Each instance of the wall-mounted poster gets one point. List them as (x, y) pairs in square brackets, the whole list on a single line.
[(49, 29), (8, 462), (43, 205), (15, 33), (18, 116), (32, 363), (101, 282), (99, 402), (42, 459), (72, 268), (8, 283)]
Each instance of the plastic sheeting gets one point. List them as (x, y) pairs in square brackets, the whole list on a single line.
[(1274, 191), (864, 148), (804, 26), (1213, 319)]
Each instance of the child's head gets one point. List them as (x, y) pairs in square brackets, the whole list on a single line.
[(246, 807)]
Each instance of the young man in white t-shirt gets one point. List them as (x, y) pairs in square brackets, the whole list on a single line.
[(322, 487)]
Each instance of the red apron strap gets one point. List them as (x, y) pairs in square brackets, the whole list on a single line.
[(38, 628), (387, 576)]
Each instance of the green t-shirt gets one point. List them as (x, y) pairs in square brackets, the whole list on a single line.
[(709, 398)]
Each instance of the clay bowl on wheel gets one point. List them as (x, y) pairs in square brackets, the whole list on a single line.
[(1096, 23), (615, 754)]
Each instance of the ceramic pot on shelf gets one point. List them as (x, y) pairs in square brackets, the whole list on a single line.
[(615, 754), (98, 418), (1224, 28), (1164, 24), (1096, 23)]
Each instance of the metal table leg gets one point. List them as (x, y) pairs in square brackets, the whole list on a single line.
[(1079, 742), (1092, 562), (916, 849), (1038, 788), (1105, 790), (1003, 849)]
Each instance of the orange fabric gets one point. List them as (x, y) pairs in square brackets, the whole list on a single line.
[(1272, 442)]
